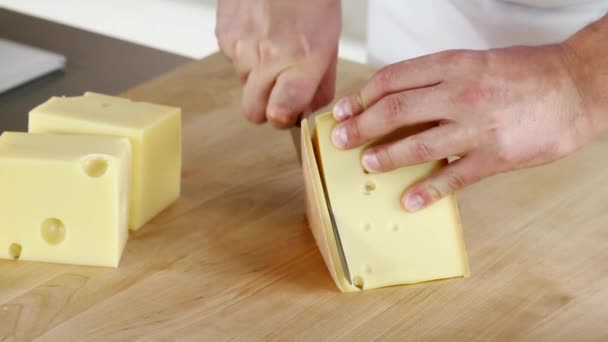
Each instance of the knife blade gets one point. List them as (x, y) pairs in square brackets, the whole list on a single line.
[(296, 137), (296, 133)]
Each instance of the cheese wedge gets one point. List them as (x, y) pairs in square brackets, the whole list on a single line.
[(383, 244), (154, 131), (64, 199)]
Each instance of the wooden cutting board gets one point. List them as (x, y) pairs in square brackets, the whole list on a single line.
[(234, 258)]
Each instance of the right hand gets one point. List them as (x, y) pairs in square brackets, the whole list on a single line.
[(285, 53)]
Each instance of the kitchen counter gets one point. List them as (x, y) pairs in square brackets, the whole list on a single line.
[(234, 259)]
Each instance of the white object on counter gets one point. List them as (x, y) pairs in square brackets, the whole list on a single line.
[(182, 27), (20, 64)]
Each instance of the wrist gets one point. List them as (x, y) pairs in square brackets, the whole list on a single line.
[(584, 56)]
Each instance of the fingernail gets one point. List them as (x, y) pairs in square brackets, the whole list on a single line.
[(370, 161), (413, 202), (339, 137), (343, 109)]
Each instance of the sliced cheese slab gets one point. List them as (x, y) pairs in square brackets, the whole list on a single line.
[(64, 199), (318, 214), (383, 244), (154, 131)]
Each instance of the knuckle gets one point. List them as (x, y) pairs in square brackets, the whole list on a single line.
[(353, 131), (455, 181), (503, 148), (384, 79), (241, 49), (293, 93), (494, 126), (298, 87), (395, 106), (475, 94), (386, 158), (291, 96), (461, 57), (266, 51), (422, 151), (503, 157)]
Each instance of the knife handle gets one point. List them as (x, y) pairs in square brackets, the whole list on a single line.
[(299, 120)]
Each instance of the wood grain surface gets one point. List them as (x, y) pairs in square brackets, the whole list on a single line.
[(234, 259)]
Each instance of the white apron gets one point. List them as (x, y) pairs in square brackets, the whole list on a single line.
[(403, 29)]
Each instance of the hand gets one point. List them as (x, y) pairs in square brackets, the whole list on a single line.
[(499, 110), (285, 53)]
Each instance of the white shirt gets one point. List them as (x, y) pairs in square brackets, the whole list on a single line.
[(399, 29)]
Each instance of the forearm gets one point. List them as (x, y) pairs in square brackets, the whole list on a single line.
[(587, 59)]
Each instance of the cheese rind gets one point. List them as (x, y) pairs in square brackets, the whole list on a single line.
[(64, 199), (154, 131), (383, 244)]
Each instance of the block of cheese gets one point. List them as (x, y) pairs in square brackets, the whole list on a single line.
[(154, 131), (383, 244), (64, 199)]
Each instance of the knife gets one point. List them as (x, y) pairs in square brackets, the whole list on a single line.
[(295, 136)]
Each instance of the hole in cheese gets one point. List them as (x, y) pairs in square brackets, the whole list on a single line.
[(14, 250), (105, 105), (95, 167), (359, 282), (52, 231), (369, 187), (394, 227), (367, 227)]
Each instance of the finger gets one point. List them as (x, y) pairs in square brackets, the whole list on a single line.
[(225, 42), (437, 143), (226, 49), (246, 57), (256, 92), (449, 179), (392, 112), (293, 92), (410, 74), (327, 89)]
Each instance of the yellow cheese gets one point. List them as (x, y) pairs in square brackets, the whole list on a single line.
[(64, 199), (383, 244), (317, 213), (154, 131)]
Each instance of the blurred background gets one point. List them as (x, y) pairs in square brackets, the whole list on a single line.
[(183, 27)]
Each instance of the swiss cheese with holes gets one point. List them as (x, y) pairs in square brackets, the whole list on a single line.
[(64, 199), (154, 131), (383, 244)]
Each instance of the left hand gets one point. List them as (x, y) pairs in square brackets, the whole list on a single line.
[(499, 110)]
